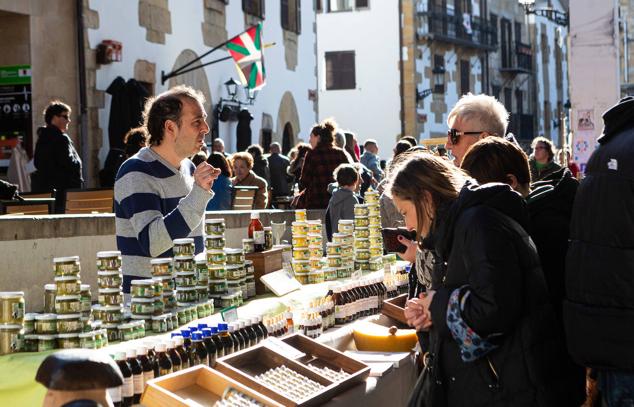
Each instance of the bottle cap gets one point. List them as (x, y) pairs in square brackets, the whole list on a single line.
[(206, 332), (201, 326), (119, 356), (160, 347), (255, 215), (196, 336), (178, 340), (169, 344), (130, 353), (214, 330), (141, 351), (186, 333), (176, 334), (223, 327), (193, 328)]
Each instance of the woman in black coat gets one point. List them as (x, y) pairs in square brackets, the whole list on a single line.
[(493, 336)]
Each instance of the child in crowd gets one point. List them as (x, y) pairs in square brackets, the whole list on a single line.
[(341, 204)]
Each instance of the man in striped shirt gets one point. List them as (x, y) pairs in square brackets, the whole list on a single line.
[(159, 194)]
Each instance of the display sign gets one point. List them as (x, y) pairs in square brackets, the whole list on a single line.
[(15, 111)]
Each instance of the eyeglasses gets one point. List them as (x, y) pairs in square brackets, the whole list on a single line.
[(454, 135), (65, 116), (539, 148)]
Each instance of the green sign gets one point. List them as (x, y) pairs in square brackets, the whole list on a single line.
[(15, 75)]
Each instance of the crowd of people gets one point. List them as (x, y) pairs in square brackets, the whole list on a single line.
[(521, 277)]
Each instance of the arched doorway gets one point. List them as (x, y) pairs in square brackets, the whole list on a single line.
[(287, 138)]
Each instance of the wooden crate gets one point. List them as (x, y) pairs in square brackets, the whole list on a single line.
[(323, 356), (395, 308), (264, 262), (198, 385), (243, 366)]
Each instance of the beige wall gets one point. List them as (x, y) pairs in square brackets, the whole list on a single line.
[(15, 47)]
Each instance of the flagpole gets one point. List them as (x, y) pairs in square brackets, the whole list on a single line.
[(178, 71)]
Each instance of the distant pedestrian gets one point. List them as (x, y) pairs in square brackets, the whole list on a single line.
[(218, 145), (352, 146), (542, 161), (222, 186), (295, 168), (343, 199), (260, 164), (278, 164), (370, 158), (242, 163)]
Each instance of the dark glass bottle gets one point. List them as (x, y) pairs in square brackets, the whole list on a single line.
[(127, 389), (340, 302), (225, 338), (259, 335), (174, 356), (256, 232), (212, 353), (232, 334), (163, 360), (146, 364), (187, 338), (253, 339), (220, 350), (365, 300), (137, 374), (265, 333), (197, 352), (237, 333), (182, 352)]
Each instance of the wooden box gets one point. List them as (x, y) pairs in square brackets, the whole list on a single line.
[(243, 366), (263, 263), (197, 386), (395, 308)]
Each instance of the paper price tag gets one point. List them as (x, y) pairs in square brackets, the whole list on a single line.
[(282, 348)]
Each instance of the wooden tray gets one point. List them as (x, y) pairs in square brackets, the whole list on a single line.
[(323, 356), (395, 308), (243, 366), (197, 386)]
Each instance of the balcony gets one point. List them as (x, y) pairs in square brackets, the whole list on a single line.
[(521, 125), (520, 61), (446, 25)]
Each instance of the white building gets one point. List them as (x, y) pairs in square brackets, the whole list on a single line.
[(358, 68), (163, 35)]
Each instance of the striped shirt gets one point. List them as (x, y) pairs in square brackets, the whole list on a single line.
[(156, 203)]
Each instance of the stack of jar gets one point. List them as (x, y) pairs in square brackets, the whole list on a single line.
[(341, 250), (185, 271), (11, 321), (216, 259), (301, 250), (368, 243), (316, 248), (163, 276), (236, 276), (109, 279), (375, 233), (68, 304)]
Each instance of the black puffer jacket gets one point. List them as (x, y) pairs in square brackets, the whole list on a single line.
[(481, 242), (599, 306), (57, 162)]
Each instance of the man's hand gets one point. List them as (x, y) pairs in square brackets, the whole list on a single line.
[(410, 253), (204, 175)]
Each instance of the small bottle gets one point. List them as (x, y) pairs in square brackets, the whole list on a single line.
[(231, 329), (198, 352), (253, 338), (146, 365), (151, 355), (265, 333), (256, 232), (115, 392), (220, 351), (173, 354), (243, 331), (162, 359), (182, 352), (256, 328), (187, 338), (225, 338), (290, 325), (340, 302), (137, 375), (127, 389), (212, 353), (242, 341)]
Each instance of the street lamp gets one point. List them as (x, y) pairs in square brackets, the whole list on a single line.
[(232, 88), (556, 16), (228, 109)]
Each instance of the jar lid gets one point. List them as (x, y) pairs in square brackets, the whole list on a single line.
[(110, 326), (50, 287), (183, 258), (298, 249), (159, 317), (162, 260), (85, 287), (68, 297), (87, 335), (346, 221), (217, 267), (64, 278), (185, 289), (161, 278), (248, 262), (142, 300), (200, 261), (168, 314), (362, 239), (65, 259), (125, 326), (316, 272), (109, 273), (47, 337), (226, 297), (68, 316), (12, 294), (10, 327), (201, 287), (215, 221), (333, 244), (108, 254), (233, 251), (186, 240), (139, 317), (111, 308), (45, 317), (360, 205), (108, 291), (300, 261), (30, 336), (185, 274), (334, 256), (142, 282), (168, 293), (234, 266), (362, 261), (360, 228), (211, 237), (185, 304), (30, 316), (363, 250), (67, 336), (233, 282), (247, 240), (218, 281), (282, 246), (217, 251)]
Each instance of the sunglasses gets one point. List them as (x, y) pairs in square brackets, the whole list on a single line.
[(454, 135), (65, 116)]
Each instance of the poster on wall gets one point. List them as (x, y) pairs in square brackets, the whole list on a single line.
[(15, 111), (584, 142)]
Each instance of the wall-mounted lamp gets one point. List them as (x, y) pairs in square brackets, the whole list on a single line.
[(228, 109), (556, 16)]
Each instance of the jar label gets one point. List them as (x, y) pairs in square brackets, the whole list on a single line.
[(127, 390), (18, 310), (137, 382), (148, 376), (258, 237)]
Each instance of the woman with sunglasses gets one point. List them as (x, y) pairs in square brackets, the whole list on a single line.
[(493, 336), (57, 162)]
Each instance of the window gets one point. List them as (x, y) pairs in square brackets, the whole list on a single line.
[(340, 71), (495, 91), (465, 68), (345, 5), (505, 40), (493, 18), (508, 99), (519, 101), (361, 4), (253, 7), (317, 6), (518, 32), (291, 15), (439, 61)]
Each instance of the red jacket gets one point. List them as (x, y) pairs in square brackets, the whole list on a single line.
[(317, 173)]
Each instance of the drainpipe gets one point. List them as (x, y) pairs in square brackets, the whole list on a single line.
[(401, 64), (626, 54), (83, 109)]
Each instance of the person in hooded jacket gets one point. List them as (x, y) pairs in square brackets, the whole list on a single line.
[(343, 199), (56, 160), (492, 329)]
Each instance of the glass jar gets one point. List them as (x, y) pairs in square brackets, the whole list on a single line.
[(161, 267), (110, 296), (46, 342), (333, 249), (363, 254), (111, 314), (315, 263), (67, 285), (374, 210), (234, 271), (376, 251), (299, 228), (159, 323), (217, 272), (69, 323), (362, 265), (174, 324), (314, 227), (374, 221), (87, 340), (202, 270), (330, 273), (316, 277), (300, 253), (334, 261), (101, 338), (68, 341), (30, 343), (345, 226), (248, 245), (50, 291), (216, 257), (12, 307), (186, 295), (201, 310), (249, 269), (375, 264), (112, 332), (142, 306), (68, 304), (187, 279), (300, 215), (215, 242), (342, 272), (361, 243), (316, 251), (158, 288), (184, 264), (66, 266), (250, 282), (347, 251), (141, 288), (371, 196), (234, 256), (184, 247), (85, 298), (29, 323), (302, 277), (362, 233), (227, 300), (360, 210), (215, 227), (339, 238), (233, 286), (166, 282), (169, 300), (201, 292), (268, 238), (218, 286), (182, 317), (109, 261), (300, 241), (301, 266), (109, 279), (159, 306), (127, 332), (11, 337)]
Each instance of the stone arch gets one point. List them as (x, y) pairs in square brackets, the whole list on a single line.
[(197, 79), (287, 114)]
